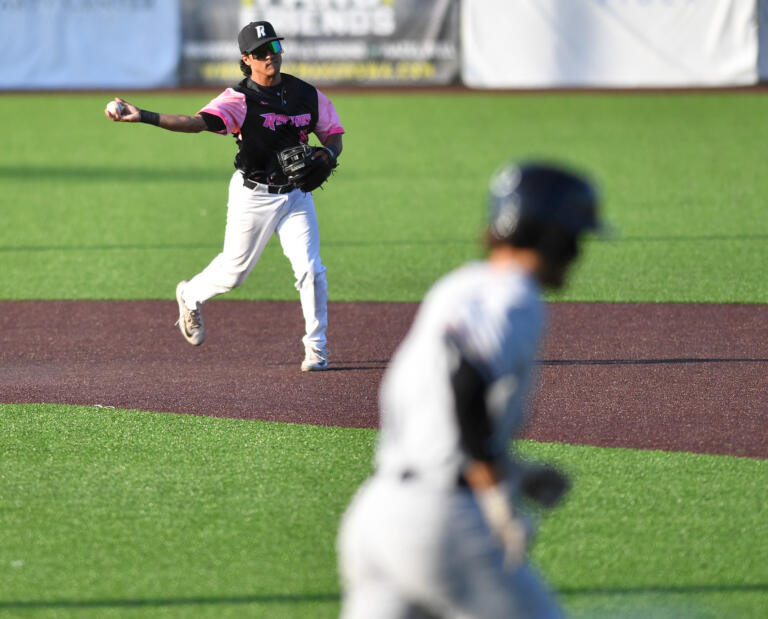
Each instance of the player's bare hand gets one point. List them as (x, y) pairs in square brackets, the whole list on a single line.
[(119, 110), (514, 539), (511, 530)]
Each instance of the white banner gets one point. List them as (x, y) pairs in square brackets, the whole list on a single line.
[(73, 44), (608, 43)]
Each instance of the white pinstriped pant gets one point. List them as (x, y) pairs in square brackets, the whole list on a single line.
[(253, 215)]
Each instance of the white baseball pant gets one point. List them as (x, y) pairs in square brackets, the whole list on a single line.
[(253, 215), (409, 550)]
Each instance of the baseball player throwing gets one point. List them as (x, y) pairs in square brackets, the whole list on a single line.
[(268, 112), (438, 530)]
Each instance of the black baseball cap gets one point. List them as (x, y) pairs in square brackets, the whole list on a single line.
[(256, 34)]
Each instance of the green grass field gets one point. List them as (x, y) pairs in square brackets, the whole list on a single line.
[(97, 209), (108, 513)]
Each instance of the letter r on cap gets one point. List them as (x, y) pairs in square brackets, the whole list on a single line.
[(260, 31)]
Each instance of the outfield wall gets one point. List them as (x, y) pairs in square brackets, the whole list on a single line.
[(85, 44), (92, 44), (609, 43), (360, 42)]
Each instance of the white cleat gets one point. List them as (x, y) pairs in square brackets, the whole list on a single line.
[(190, 321), (315, 360)]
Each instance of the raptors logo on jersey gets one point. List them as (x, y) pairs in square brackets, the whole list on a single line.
[(272, 121)]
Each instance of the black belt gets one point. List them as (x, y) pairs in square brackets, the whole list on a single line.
[(410, 474), (250, 184)]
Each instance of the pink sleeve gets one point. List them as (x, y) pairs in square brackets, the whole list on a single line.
[(328, 121), (230, 107)]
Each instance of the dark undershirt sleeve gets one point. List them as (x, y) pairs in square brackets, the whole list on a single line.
[(213, 122), (469, 389)]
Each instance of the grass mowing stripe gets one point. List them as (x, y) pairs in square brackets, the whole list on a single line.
[(677, 171), (140, 507), (105, 512), (653, 533)]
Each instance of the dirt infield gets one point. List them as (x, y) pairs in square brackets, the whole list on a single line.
[(654, 376)]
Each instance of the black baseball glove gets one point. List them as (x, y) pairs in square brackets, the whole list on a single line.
[(304, 170), (544, 484)]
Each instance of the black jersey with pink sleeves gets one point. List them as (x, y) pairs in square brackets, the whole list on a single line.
[(267, 119)]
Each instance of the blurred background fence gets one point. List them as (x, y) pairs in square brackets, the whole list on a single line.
[(499, 44)]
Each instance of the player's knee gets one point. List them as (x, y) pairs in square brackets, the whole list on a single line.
[(232, 271), (312, 275)]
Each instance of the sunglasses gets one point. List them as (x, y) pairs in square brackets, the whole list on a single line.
[(261, 52)]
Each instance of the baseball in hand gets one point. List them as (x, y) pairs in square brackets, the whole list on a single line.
[(115, 108)]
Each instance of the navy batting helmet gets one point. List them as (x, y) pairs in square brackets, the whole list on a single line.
[(541, 206)]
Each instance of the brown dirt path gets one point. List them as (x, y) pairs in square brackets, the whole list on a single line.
[(655, 376)]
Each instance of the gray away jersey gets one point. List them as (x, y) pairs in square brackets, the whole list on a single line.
[(496, 317)]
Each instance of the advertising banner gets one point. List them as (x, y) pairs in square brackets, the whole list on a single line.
[(609, 43), (368, 42), (82, 44), (762, 27)]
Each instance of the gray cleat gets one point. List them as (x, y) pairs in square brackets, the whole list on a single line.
[(315, 359), (190, 321)]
